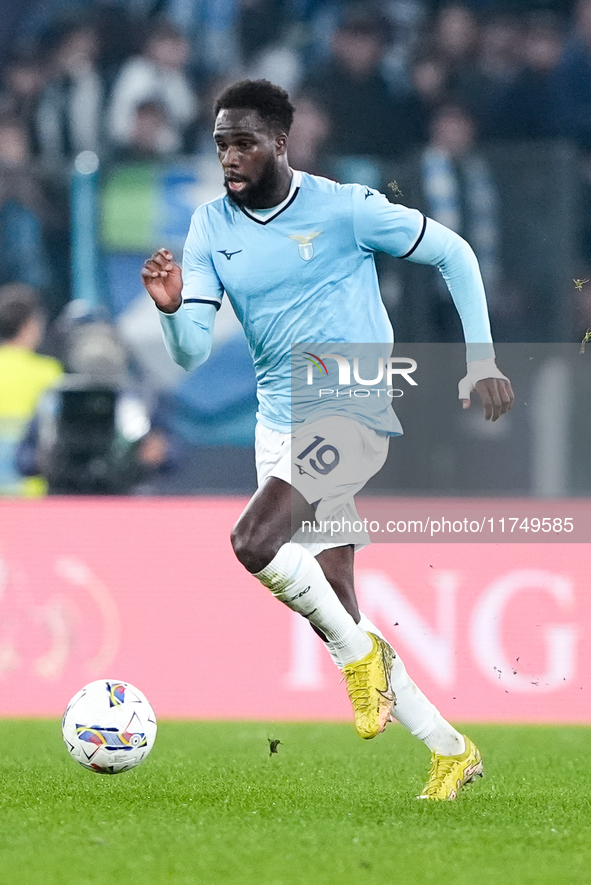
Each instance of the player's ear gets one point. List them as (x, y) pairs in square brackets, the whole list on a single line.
[(281, 143)]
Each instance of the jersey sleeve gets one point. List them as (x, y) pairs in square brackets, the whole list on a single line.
[(382, 226), (407, 233), (188, 333), (454, 257), (200, 280)]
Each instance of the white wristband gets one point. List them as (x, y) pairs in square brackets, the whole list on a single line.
[(478, 370)]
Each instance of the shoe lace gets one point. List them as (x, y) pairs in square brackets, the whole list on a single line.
[(358, 685), (441, 767)]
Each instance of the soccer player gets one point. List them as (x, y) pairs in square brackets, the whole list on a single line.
[(294, 254)]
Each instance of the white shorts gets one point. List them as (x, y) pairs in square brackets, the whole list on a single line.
[(328, 461)]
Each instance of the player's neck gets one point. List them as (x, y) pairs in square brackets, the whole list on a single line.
[(280, 191), (286, 176)]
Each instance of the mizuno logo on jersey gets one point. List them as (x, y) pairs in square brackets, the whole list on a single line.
[(368, 193), (305, 245), (227, 254)]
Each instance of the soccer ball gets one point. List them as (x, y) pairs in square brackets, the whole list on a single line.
[(109, 726)]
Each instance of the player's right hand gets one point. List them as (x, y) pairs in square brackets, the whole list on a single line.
[(163, 281)]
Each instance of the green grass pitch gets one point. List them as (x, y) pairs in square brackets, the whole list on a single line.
[(212, 806)]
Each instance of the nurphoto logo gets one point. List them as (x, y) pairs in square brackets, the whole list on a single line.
[(385, 369)]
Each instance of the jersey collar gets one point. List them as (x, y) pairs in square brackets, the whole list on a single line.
[(264, 216)]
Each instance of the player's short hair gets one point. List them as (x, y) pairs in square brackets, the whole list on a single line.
[(270, 102), (18, 303)]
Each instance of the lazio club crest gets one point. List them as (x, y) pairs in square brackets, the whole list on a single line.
[(305, 245)]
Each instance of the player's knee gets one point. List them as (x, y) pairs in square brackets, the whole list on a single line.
[(252, 546)]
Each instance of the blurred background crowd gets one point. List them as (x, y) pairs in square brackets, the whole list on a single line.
[(477, 112)]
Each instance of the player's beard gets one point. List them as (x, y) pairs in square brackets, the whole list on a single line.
[(259, 194)]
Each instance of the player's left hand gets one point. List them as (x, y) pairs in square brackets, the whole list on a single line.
[(497, 397), (495, 391)]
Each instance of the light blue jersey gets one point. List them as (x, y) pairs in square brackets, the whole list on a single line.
[(305, 272)]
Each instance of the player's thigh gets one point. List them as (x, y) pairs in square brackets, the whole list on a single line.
[(331, 460), (324, 464), (270, 446)]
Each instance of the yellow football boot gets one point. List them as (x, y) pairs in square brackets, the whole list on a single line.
[(370, 689), (448, 774)]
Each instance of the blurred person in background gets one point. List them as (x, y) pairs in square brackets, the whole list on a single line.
[(23, 211), (275, 39), (574, 79), (408, 19), (158, 74), (458, 190), (211, 29), (531, 105), (309, 134), (367, 120), (119, 27), (71, 104), (454, 38), (497, 65), (22, 81), (151, 137), (260, 25), (481, 58), (24, 376), (430, 83)]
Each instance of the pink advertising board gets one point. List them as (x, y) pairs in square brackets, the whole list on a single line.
[(148, 591)]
